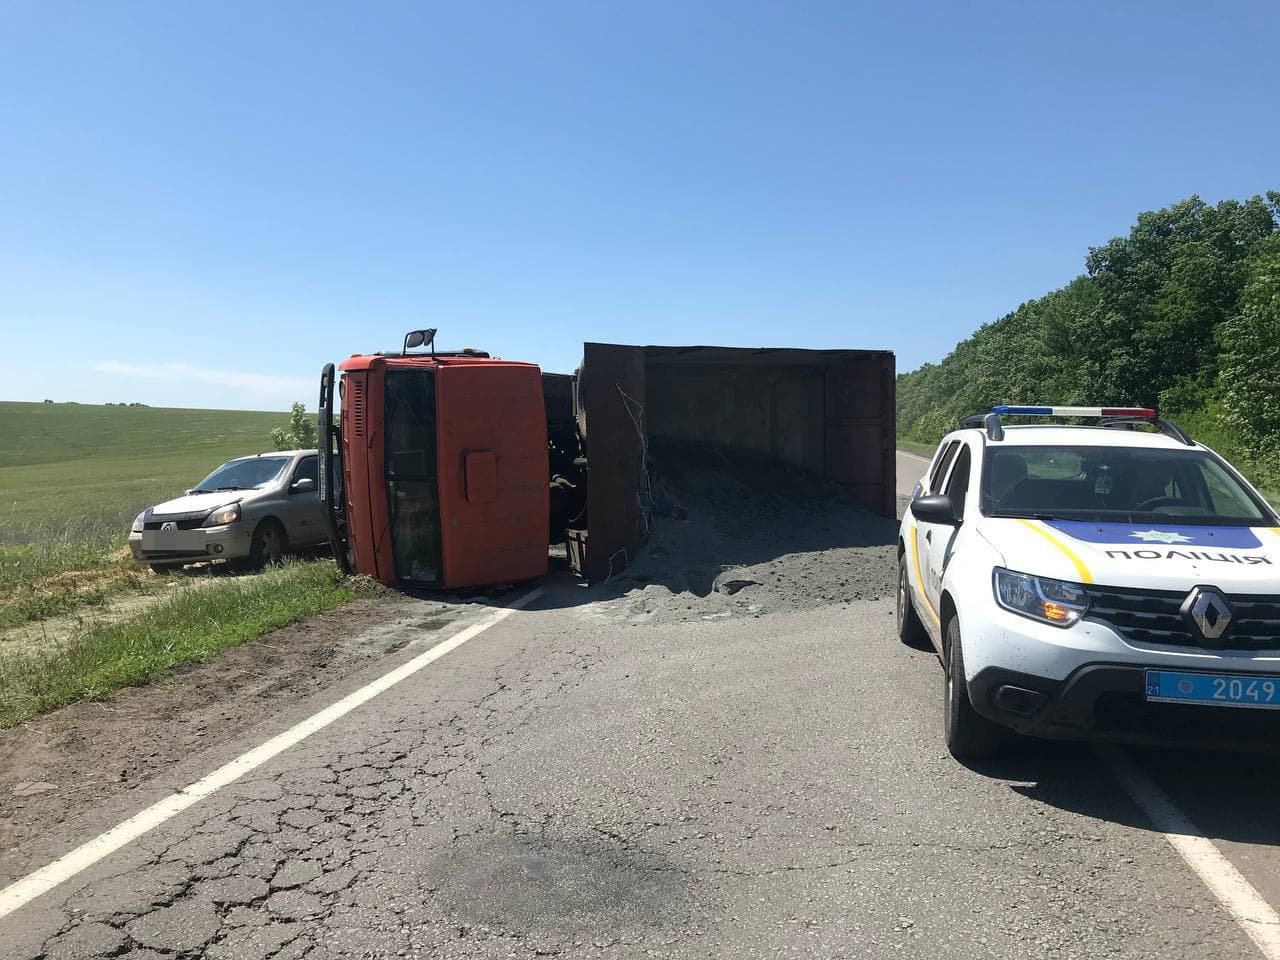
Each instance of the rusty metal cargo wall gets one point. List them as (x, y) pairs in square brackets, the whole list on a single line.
[(771, 411), (611, 390), (861, 430), (830, 412)]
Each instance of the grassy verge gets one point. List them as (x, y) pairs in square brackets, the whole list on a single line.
[(925, 450), (38, 581), (188, 627)]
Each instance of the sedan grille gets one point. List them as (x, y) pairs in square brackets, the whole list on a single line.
[(186, 523), (1155, 616)]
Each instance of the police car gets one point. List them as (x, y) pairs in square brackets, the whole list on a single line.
[(1113, 581)]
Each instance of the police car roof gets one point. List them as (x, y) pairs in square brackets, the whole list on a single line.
[(1060, 435)]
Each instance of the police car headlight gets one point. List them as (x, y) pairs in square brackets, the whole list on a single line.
[(1056, 602), (223, 515), (137, 522)]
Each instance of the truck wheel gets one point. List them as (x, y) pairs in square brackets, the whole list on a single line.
[(910, 630), (270, 543), (970, 735)]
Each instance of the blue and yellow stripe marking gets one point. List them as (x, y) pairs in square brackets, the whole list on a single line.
[(1081, 570), (915, 560)]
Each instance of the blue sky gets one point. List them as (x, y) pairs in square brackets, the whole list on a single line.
[(200, 204)]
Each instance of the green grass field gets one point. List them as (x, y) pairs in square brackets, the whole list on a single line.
[(77, 472), (73, 477)]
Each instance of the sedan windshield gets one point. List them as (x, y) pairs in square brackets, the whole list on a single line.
[(1116, 484), (248, 474)]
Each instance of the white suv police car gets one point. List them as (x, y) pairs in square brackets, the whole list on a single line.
[(1092, 582)]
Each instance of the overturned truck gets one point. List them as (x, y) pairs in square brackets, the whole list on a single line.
[(450, 470)]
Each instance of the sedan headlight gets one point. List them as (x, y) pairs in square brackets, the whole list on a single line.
[(223, 515), (1057, 602), (137, 522)]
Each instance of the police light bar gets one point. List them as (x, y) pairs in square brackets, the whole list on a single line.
[(1144, 413)]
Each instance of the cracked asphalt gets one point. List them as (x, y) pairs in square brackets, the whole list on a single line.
[(759, 787)]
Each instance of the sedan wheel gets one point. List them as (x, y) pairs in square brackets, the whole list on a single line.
[(269, 545)]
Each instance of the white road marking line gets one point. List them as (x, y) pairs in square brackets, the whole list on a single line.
[(67, 866), (1254, 915), (903, 453)]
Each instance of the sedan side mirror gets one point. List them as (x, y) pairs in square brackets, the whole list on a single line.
[(935, 509), (305, 485)]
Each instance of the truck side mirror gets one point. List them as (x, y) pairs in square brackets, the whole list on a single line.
[(304, 485)]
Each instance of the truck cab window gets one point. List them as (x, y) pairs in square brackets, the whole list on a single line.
[(413, 497)]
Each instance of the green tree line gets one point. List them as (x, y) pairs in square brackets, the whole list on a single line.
[(1182, 314)]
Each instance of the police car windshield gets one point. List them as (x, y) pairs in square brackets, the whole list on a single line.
[(1116, 485)]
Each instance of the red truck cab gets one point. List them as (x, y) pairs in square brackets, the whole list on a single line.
[(435, 474)]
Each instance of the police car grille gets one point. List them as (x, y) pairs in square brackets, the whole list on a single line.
[(1257, 623), (1153, 616)]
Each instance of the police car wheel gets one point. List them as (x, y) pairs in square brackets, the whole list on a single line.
[(910, 629), (969, 735)]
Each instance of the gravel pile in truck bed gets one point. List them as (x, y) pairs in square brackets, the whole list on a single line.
[(756, 537)]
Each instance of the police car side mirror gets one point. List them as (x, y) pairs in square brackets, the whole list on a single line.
[(935, 509)]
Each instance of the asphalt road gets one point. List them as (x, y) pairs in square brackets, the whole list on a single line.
[(910, 469), (751, 787), (1231, 798)]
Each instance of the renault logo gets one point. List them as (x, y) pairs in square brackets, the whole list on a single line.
[(1208, 611), (168, 525)]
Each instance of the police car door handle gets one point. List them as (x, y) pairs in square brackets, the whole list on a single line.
[(928, 536)]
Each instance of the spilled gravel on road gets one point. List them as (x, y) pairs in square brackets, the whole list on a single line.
[(737, 537)]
